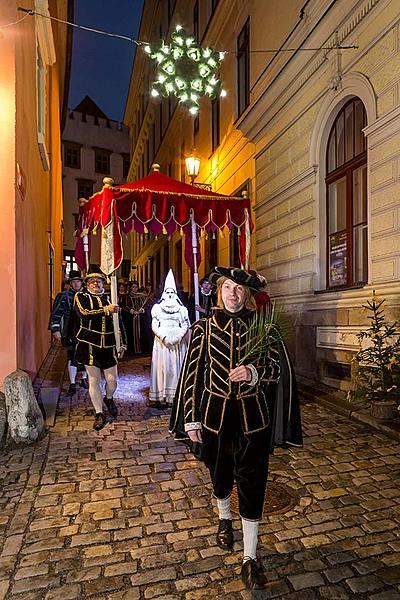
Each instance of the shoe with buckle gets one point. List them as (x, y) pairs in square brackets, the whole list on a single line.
[(111, 407), (253, 575), (225, 534), (99, 421), (72, 389), (85, 383)]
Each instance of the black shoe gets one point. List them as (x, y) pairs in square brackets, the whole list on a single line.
[(253, 575), (111, 407), (99, 421), (72, 389), (85, 383), (225, 534)]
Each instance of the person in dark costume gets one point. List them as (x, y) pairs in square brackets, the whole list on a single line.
[(133, 307), (207, 300), (96, 345), (226, 406), (63, 330)]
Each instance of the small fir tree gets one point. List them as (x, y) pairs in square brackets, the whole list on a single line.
[(378, 368)]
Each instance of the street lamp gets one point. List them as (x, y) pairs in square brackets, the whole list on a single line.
[(192, 165)]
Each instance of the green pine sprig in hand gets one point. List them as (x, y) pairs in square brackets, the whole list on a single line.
[(266, 329)]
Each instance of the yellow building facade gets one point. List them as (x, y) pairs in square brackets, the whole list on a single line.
[(310, 127)]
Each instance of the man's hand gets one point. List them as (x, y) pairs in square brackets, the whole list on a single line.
[(195, 435), (199, 309), (241, 373), (121, 352), (57, 336), (113, 308)]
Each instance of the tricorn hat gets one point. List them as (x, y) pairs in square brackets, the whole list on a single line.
[(74, 275), (239, 276), (95, 271)]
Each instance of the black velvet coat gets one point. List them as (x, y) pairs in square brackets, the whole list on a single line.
[(216, 347)]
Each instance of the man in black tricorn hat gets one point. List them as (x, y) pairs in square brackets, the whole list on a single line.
[(96, 345), (225, 405), (63, 330)]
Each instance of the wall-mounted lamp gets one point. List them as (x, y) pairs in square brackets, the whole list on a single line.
[(192, 165)]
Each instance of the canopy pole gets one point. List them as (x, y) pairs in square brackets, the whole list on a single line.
[(114, 300), (86, 250), (195, 273), (82, 202)]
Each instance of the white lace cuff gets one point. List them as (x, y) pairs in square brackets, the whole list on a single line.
[(192, 426), (254, 375)]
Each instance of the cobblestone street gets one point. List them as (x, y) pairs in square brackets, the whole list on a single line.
[(126, 513)]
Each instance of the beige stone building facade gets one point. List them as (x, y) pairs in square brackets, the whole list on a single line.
[(311, 127)]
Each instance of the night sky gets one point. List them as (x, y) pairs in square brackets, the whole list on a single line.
[(101, 66)]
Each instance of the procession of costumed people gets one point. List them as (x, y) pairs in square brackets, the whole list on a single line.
[(233, 395)]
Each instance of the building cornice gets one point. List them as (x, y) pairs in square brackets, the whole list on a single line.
[(384, 127), (271, 95)]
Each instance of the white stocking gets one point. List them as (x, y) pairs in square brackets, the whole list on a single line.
[(250, 538), (224, 509), (71, 372), (95, 393), (111, 375)]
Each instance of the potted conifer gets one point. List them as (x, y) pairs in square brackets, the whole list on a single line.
[(377, 373)]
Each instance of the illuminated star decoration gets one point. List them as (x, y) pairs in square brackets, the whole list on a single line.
[(185, 70)]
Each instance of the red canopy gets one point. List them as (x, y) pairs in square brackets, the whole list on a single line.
[(159, 204)]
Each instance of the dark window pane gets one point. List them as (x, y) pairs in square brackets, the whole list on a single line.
[(72, 155), (340, 140), (102, 161), (360, 195), (349, 129), (337, 205), (360, 123), (360, 260), (215, 132), (85, 188), (332, 152), (243, 68)]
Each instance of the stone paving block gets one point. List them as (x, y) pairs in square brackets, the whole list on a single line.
[(12, 545), (386, 595), (336, 574), (35, 583), (66, 592), (367, 583), (333, 592), (389, 575), (153, 576), (161, 590), (201, 566), (306, 580)]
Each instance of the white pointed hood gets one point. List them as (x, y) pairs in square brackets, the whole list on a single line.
[(169, 296), (170, 281)]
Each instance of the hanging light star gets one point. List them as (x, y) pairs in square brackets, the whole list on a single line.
[(185, 70)]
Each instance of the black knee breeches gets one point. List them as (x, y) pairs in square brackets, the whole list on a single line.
[(233, 457)]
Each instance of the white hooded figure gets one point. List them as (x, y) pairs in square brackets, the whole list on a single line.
[(170, 325)]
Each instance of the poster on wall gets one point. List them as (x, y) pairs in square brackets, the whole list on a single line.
[(338, 259)]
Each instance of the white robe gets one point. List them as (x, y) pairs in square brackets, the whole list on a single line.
[(170, 325)]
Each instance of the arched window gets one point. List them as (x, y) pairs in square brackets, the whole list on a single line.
[(346, 193)]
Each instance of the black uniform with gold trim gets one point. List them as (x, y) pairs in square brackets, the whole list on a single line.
[(234, 416), (95, 335)]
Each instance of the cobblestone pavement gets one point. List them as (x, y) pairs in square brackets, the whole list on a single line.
[(127, 514)]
